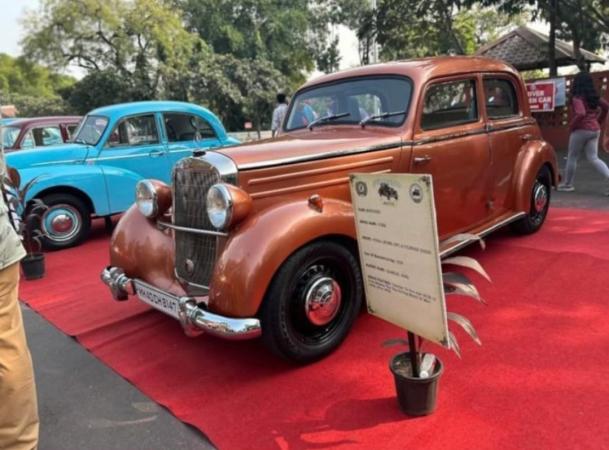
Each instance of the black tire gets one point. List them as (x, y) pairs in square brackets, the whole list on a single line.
[(292, 319), (538, 209), (77, 212)]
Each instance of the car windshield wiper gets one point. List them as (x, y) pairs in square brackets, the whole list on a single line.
[(363, 122), (328, 118), (80, 141)]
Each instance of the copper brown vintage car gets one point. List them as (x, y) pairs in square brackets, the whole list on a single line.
[(259, 239)]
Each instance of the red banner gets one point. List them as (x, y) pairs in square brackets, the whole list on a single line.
[(542, 96)]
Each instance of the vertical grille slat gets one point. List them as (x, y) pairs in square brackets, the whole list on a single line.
[(195, 253)]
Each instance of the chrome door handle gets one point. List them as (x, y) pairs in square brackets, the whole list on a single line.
[(156, 153), (527, 137), (422, 159)]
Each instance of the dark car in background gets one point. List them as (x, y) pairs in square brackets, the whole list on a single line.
[(38, 132)]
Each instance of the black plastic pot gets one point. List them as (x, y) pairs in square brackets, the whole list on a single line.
[(33, 266), (416, 396)]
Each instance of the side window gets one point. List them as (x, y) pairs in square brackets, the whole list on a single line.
[(186, 127), (47, 136), (28, 140), (501, 99), (449, 104), (140, 130)]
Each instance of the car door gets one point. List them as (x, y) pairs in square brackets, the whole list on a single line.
[(450, 143), (186, 132), (508, 130), (132, 151)]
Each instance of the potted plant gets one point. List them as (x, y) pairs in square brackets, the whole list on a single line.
[(26, 218), (416, 373)]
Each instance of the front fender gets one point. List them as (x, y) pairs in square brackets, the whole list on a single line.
[(531, 158), (258, 247), (84, 178)]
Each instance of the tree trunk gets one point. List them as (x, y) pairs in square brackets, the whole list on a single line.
[(552, 39)]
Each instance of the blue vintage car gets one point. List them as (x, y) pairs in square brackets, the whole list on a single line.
[(114, 147)]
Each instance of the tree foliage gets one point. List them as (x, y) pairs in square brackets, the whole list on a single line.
[(137, 39), (417, 28)]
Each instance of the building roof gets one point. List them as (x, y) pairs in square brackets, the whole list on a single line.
[(527, 49)]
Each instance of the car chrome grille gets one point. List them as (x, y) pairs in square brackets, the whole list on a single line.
[(195, 253)]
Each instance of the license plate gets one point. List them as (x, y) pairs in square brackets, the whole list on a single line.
[(157, 299)]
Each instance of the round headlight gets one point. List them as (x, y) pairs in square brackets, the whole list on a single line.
[(146, 198), (219, 206)]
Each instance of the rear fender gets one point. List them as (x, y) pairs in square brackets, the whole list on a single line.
[(532, 157), (257, 248)]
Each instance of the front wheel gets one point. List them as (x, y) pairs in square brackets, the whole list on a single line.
[(540, 202), (66, 222), (312, 302)]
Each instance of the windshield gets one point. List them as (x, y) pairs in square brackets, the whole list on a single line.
[(353, 100), (90, 130), (9, 136)]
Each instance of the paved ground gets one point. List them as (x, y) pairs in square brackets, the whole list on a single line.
[(85, 405)]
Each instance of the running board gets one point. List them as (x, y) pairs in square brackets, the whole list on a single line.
[(485, 232)]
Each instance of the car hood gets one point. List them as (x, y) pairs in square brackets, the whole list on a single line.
[(46, 156), (306, 145)]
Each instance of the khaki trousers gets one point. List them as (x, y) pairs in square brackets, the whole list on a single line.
[(18, 406)]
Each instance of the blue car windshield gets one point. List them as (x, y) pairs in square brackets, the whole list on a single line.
[(9, 136), (90, 130), (375, 100)]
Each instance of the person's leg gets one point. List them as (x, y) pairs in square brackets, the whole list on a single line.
[(18, 406), (591, 149), (576, 144)]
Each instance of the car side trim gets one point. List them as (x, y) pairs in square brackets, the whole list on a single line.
[(321, 156)]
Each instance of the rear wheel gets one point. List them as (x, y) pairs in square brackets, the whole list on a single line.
[(540, 202), (312, 302), (66, 222)]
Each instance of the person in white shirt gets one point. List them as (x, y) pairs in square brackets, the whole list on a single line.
[(279, 113)]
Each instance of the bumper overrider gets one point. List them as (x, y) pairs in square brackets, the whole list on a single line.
[(186, 310)]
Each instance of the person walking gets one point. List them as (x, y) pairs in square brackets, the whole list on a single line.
[(588, 113), (279, 113), (18, 404)]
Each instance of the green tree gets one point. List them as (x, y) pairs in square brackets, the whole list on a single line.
[(293, 35), (137, 39), (417, 28), (19, 76), (97, 89), (238, 89)]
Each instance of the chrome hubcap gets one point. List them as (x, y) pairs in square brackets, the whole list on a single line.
[(322, 301), (61, 223), (540, 197)]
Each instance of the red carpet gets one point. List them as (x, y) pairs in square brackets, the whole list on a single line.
[(541, 379)]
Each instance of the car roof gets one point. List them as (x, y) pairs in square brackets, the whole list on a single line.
[(44, 120), (122, 109), (421, 69)]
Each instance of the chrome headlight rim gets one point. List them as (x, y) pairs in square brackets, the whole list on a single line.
[(227, 212), (153, 199)]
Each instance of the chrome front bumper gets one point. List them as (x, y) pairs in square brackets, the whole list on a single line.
[(194, 318)]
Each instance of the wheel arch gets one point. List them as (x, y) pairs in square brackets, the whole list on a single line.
[(532, 158), (254, 253), (71, 191)]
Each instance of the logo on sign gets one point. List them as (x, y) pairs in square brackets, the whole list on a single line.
[(416, 193), (361, 188)]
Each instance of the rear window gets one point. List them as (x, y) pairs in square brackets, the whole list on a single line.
[(501, 100)]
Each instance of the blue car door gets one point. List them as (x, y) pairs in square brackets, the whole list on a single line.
[(133, 150), (186, 132)]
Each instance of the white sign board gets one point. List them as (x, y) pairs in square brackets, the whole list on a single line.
[(398, 245)]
